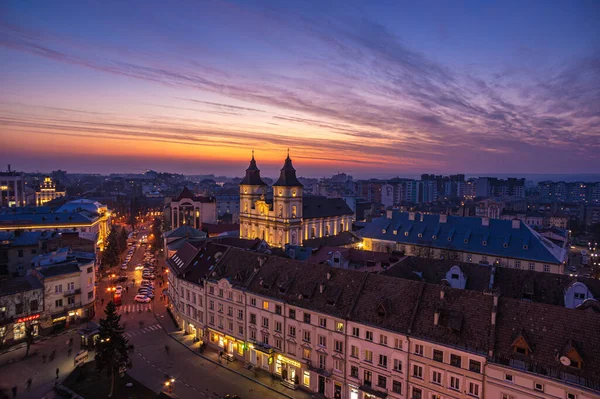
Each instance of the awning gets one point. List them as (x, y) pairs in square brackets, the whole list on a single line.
[(59, 314)]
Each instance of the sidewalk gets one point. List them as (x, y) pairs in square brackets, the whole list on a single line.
[(258, 376)]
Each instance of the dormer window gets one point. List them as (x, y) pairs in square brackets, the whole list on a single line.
[(466, 241), (420, 235), (406, 233), (484, 243), (454, 276), (383, 231), (520, 345), (434, 237), (395, 232), (525, 246), (505, 245)]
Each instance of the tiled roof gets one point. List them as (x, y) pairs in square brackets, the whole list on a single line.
[(183, 257), (19, 284), (185, 231), (30, 238), (466, 234), (57, 270), (549, 330), (25, 219), (203, 261), (218, 228), (319, 207), (464, 320), (252, 177), (338, 240), (548, 288)]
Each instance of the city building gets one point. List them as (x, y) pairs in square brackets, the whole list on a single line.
[(191, 210), (505, 243), (12, 189), (489, 208), (90, 219), (494, 187), (69, 287), (47, 192), (228, 208), (349, 334), (290, 217), (531, 218), (21, 304)]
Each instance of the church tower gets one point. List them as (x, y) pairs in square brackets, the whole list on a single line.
[(252, 189), (287, 205)]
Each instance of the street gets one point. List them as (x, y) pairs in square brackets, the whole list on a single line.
[(147, 327)]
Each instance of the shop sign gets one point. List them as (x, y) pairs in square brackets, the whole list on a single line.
[(28, 318), (283, 359)]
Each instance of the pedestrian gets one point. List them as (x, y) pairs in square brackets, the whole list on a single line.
[(167, 349), (44, 358), (69, 351), (102, 301), (70, 341), (14, 391), (57, 371), (28, 383)]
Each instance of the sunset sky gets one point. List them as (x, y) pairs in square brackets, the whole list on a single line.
[(377, 88)]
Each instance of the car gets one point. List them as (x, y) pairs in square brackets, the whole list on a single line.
[(583, 252), (118, 289), (139, 266), (147, 283), (148, 293), (120, 279), (149, 276), (149, 269), (124, 267), (573, 268), (141, 298)]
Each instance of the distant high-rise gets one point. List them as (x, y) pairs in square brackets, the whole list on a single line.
[(12, 189)]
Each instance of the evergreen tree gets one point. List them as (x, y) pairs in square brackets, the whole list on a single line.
[(112, 348)]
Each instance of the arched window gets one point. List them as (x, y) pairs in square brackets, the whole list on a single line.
[(280, 211), (293, 237), (294, 211), (246, 206)]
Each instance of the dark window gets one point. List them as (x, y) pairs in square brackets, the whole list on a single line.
[(307, 318), (397, 386), (278, 309), (455, 360), (417, 393), (522, 350), (18, 308), (252, 318), (33, 305), (475, 366), (90, 269), (34, 251), (354, 371), (438, 355), (293, 314), (381, 381), (20, 253), (368, 378)]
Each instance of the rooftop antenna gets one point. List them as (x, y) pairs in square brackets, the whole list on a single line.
[(288, 152), (252, 154)]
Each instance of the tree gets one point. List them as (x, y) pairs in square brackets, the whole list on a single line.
[(157, 233), (112, 348)]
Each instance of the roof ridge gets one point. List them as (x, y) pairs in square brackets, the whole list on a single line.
[(415, 310)]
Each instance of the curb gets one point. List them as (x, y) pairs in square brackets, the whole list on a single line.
[(227, 368)]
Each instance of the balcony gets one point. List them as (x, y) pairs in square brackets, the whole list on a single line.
[(72, 292)]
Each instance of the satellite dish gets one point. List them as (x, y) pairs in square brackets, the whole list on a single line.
[(565, 361)]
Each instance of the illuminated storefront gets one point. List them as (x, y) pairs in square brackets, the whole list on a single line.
[(353, 392), (261, 356), (229, 345), (20, 326), (287, 368)]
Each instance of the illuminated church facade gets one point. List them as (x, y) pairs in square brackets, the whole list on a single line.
[(289, 218)]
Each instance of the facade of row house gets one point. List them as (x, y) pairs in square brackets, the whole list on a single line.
[(347, 334)]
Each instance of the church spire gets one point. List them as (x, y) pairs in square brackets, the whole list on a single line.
[(288, 177), (253, 174)]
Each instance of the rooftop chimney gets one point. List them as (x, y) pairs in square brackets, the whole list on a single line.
[(485, 221), (328, 275), (411, 215), (443, 218), (436, 317), (390, 213), (442, 294), (321, 288), (516, 224)]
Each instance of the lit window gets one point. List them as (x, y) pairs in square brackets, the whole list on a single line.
[(265, 305), (306, 379)]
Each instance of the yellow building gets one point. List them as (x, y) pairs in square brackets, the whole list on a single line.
[(289, 218), (47, 192)]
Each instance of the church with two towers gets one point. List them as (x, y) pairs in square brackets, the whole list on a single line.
[(290, 217)]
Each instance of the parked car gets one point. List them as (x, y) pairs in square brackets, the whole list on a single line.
[(147, 283), (118, 290), (141, 298), (148, 293), (139, 266)]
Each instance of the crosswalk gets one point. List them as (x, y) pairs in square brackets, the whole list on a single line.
[(133, 333), (134, 307)]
